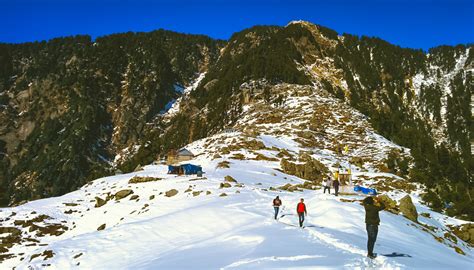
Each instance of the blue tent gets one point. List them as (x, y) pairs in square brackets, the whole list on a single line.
[(368, 191), (186, 169), (191, 169)]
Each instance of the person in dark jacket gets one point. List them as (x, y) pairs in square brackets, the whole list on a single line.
[(372, 221), (336, 186), (301, 210), (276, 205)]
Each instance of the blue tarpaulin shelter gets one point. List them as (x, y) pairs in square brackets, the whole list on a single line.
[(369, 191), (186, 169)]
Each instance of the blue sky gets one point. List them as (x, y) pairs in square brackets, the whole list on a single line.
[(408, 23)]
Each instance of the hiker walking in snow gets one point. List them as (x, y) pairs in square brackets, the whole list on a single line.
[(336, 186), (276, 205), (301, 210), (372, 221), (327, 185)]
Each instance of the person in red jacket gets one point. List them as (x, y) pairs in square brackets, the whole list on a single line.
[(301, 210)]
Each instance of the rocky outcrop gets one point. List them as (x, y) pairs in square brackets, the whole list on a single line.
[(308, 168), (465, 232), (139, 179)]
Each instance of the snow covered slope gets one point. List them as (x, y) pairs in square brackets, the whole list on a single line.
[(200, 228), (130, 221)]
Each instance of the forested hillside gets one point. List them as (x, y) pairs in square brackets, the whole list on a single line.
[(70, 105)]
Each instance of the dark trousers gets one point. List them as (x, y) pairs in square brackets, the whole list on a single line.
[(336, 190), (372, 231), (276, 211), (301, 218), (328, 188)]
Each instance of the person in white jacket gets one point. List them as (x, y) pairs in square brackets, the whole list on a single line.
[(327, 185)]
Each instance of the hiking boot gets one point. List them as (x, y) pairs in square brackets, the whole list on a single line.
[(372, 256)]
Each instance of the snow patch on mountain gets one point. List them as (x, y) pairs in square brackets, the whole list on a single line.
[(175, 107)]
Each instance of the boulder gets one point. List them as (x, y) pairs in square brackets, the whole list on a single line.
[(134, 197), (123, 193), (101, 227), (171, 193), (229, 178), (225, 185), (390, 205), (99, 202), (408, 209)]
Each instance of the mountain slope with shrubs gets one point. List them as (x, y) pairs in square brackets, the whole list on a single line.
[(111, 97)]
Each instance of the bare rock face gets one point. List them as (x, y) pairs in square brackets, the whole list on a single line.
[(408, 209), (123, 193)]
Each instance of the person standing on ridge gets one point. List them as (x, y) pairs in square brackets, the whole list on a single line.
[(327, 185), (276, 205), (301, 210), (336, 186), (372, 221)]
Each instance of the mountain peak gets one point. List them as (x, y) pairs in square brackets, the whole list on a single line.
[(301, 22)]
